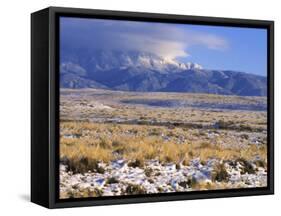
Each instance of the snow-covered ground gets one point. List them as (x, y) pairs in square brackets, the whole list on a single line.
[(120, 179)]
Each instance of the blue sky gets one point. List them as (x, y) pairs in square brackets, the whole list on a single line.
[(223, 48), (246, 50)]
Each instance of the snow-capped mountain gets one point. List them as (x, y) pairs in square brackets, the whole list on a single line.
[(140, 71), (108, 60)]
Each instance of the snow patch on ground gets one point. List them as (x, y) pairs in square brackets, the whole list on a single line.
[(120, 179)]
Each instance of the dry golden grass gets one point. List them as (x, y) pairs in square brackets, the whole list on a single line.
[(106, 142), (177, 134), (231, 134), (87, 192)]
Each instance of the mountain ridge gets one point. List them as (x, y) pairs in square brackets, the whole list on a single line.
[(139, 71)]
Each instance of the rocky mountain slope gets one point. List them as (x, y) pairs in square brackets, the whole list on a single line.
[(139, 71)]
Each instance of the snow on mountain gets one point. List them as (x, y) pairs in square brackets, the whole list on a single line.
[(142, 71), (108, 60), (191, 66)]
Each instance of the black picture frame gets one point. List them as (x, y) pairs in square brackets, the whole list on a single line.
[(45, 106)]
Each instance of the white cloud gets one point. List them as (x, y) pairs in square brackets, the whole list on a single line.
[(167, 40), (163, 47)]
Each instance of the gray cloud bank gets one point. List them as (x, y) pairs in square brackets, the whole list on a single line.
[(166, 40)]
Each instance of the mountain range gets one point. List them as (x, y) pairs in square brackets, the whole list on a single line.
[(140, 71)]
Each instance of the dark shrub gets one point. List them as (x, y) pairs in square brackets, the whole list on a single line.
[(221, 124), (135, 190), (136, 163), (83, 165), (116, 143), (247, 167), (103, 143), (184, 184), (260, 163), (219, 173), (244, 136), (205, 145), (148, 172), (247, 127), (112, 180)]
